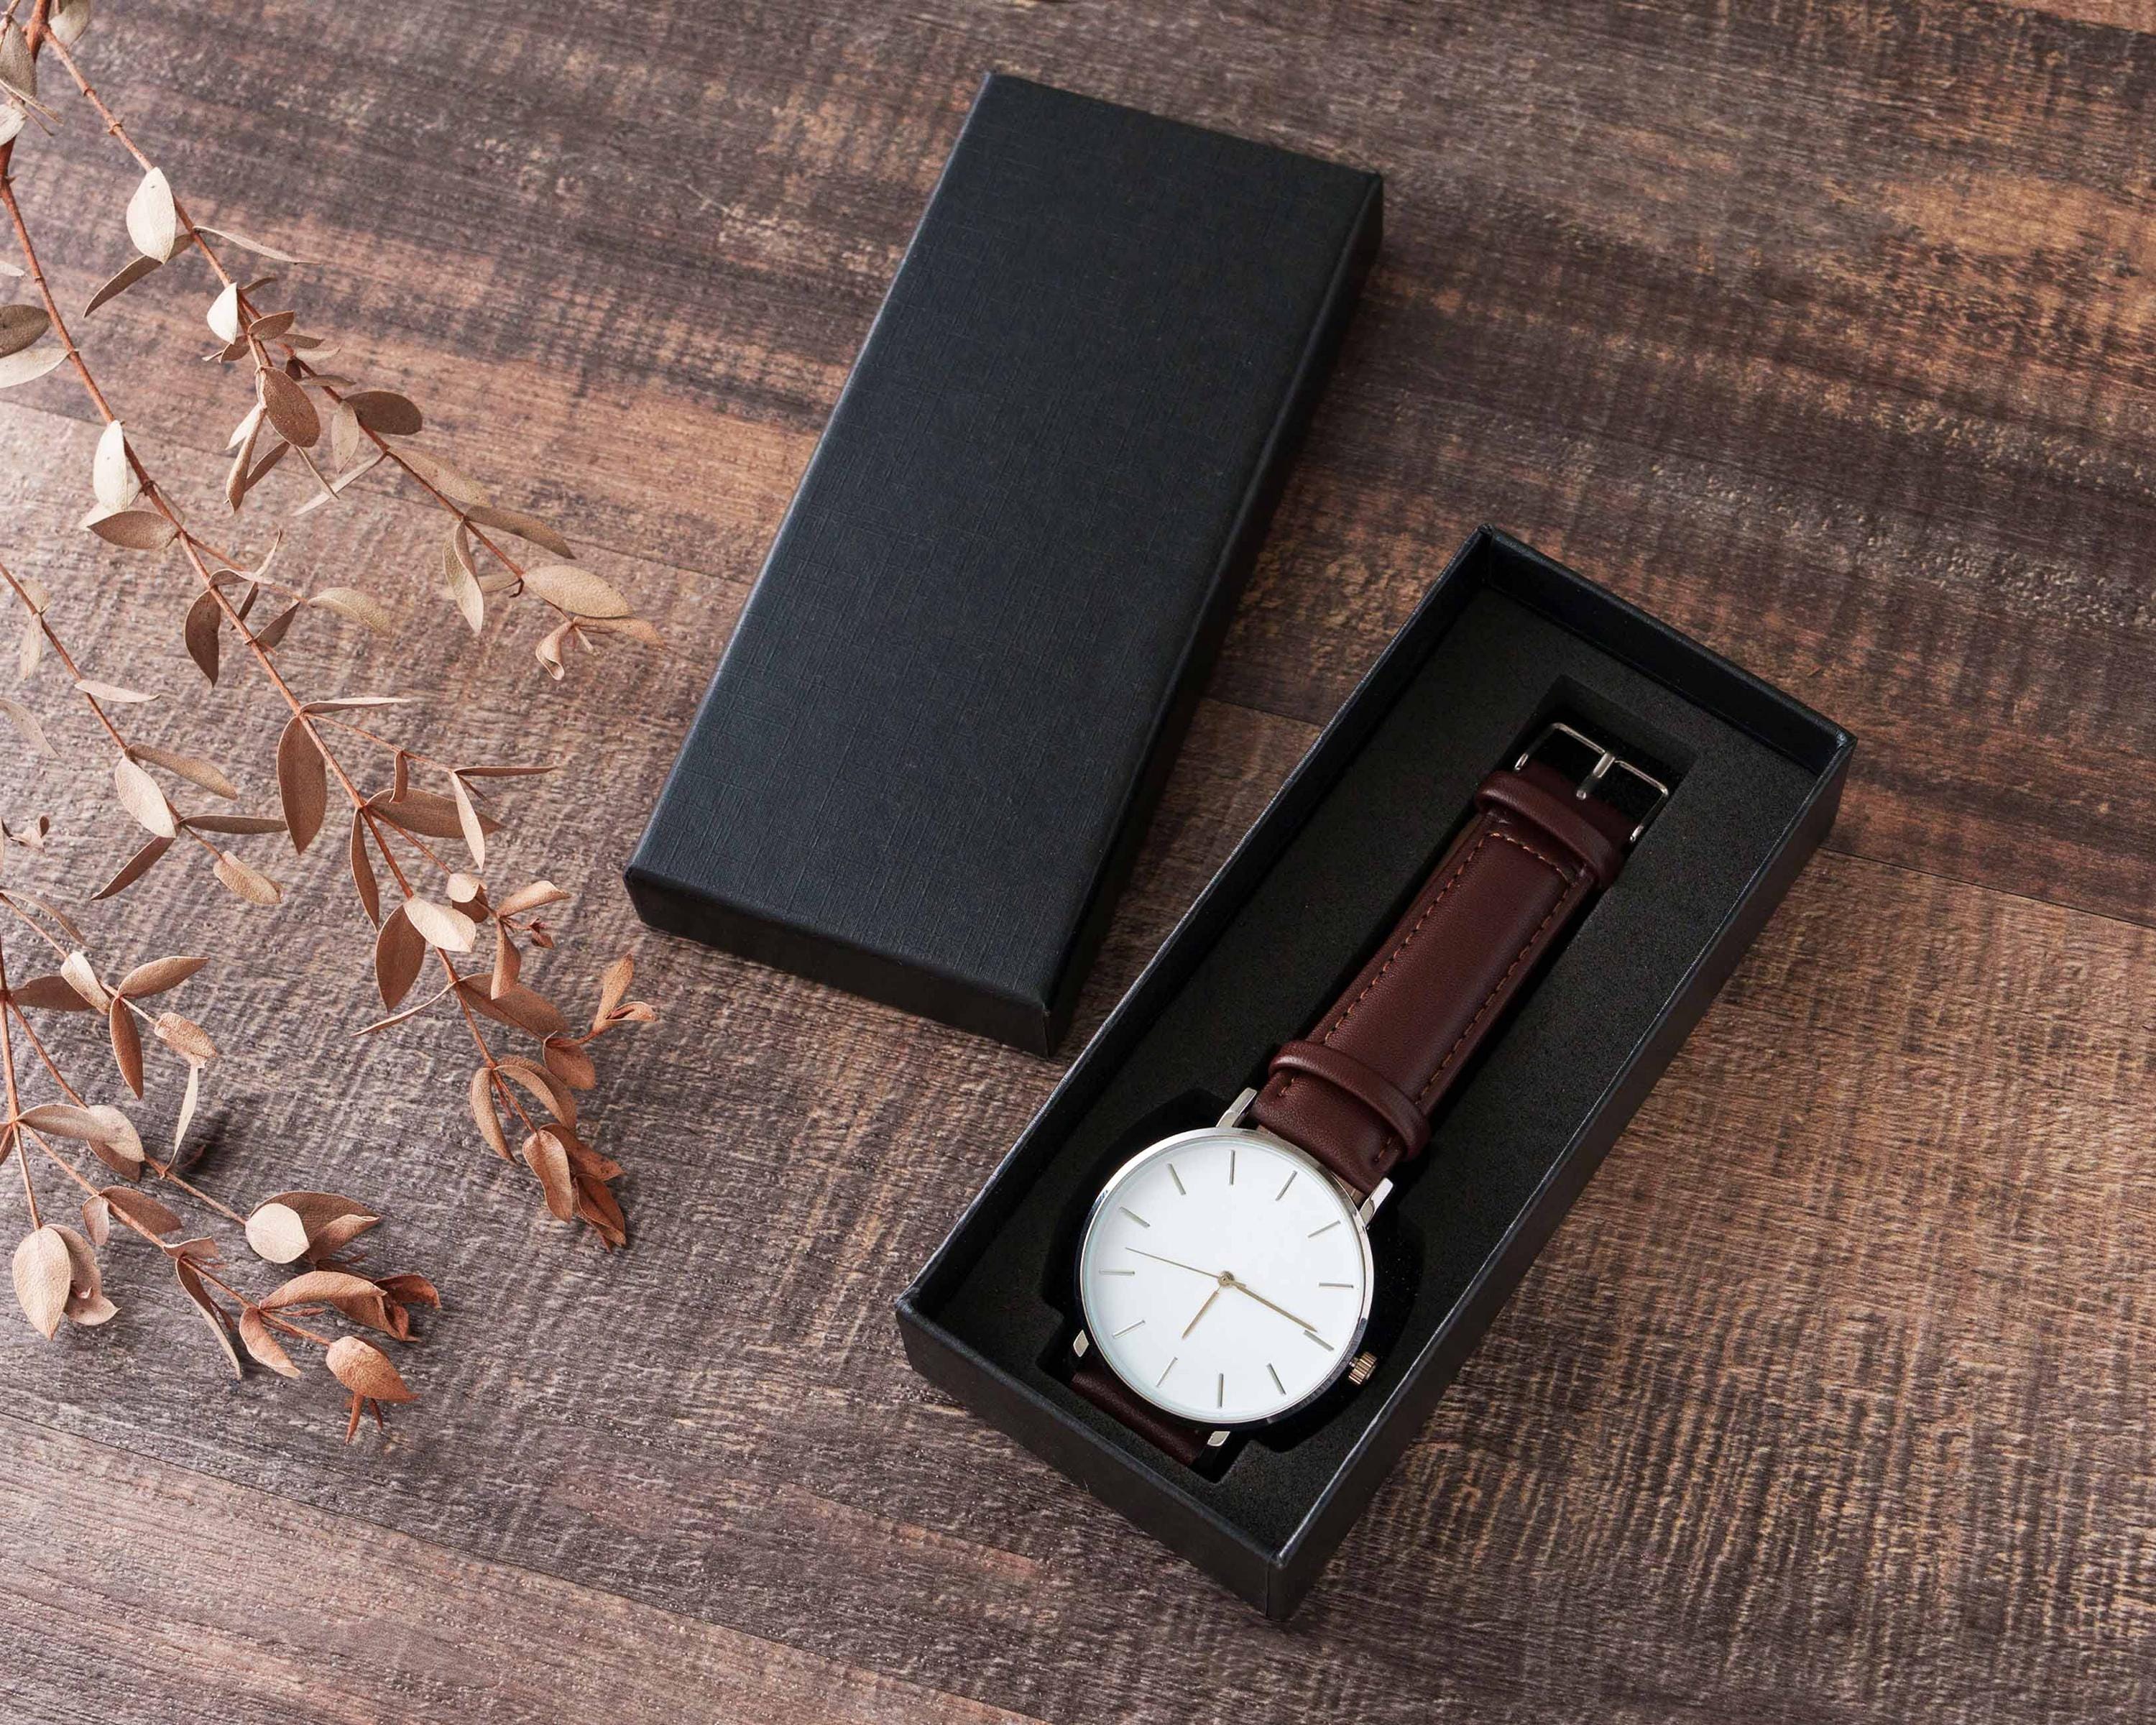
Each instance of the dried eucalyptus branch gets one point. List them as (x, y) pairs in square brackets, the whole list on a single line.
[(391, 823), (363, 422), (57, 1271)]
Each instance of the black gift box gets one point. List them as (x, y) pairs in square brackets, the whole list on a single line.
[(1504, 642), (927, 757)]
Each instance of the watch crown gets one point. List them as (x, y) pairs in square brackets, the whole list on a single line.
[(1360, 1368)]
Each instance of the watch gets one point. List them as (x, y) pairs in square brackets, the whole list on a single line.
[(1225, 1275)]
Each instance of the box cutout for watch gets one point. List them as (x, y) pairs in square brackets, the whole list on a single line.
[(1505, 641)]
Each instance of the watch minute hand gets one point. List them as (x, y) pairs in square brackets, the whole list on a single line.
[(1281, 1309), (1212, 1275)]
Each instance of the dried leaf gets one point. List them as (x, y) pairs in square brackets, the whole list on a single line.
[(187, 767), (276, 1232), (319, 1209), (523, 1008), (97, 1219), (363, 871), (446, 930), (462, 580), (26, 721), (235, 822), (30, 650), (600, 1207), (425, 813), (158, 975), (153, 222), (139, 1206), (184, 1036), (20, 326), (529, 898), (82, 977), (455, 486), (303, 783), (53, 994), (224, 315), (126, 1044), (524, 527), (140, 797), (360, 607), (355, 703), (213, 1313), (468, 893), (346, 439), (134, 869), (42, 1274), (250, 884), (112, 475), (12, 122), (245, 243), (68, 19), (484, 1113), (134, 529), (205, 618), (365, 1370), (31, 364), (508, 961), (111, 693), (474, 835), (614, 987), (550, 1093), (570, 1064), (270, 328), (313, 1288), (262, 1346), (385, 412), (272, 633), (576, 591), (19, 72), (289, 409), (123, 278), (399, 953), (412, 1290), (188, 1103), (548, 649), (550, 1162), (244, 478)]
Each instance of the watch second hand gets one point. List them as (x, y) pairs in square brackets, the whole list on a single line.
[(1202, 1311)]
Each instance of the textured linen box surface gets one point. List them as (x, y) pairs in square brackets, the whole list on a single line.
[(1504, 643), (929, 752)]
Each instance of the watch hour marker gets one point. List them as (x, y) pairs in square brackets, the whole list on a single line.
[(1231, 1165), (1314, 1232), (1286, 1183), (1134, 1215), (1127, 1328), (1313, 1336), (1181, 1191), (1277, 1384), (1220, 1391), (1335, 1284), (1119, 1272), (1164, 1371)]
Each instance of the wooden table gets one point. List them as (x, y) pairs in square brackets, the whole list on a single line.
[(1824, 331)]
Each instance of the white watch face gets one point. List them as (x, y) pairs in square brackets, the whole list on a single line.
[(1224, 1276)]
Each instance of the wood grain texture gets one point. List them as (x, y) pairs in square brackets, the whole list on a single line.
[(1822, 330)]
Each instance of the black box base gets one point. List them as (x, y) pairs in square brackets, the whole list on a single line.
[(1505, 640)]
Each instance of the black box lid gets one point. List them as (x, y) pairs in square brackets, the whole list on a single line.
[(931, 745)]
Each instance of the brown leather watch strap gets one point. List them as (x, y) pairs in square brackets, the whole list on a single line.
[(1108, 1393), (1358, 1092)]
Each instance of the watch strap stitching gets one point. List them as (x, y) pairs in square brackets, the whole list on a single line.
[(1497, 988)]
